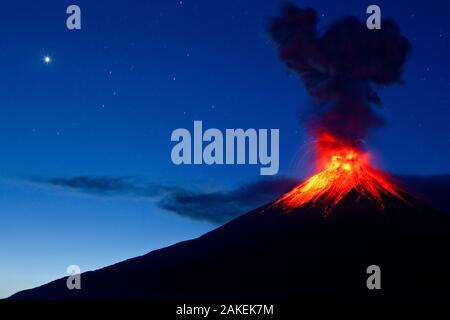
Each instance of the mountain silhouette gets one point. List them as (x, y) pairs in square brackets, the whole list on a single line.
[(270, 254)]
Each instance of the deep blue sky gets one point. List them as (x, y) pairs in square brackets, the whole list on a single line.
[(137, 70)]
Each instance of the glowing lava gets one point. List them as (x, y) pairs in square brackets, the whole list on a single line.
[(341, 169)]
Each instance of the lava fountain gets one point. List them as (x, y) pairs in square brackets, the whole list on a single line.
[(341, 169)]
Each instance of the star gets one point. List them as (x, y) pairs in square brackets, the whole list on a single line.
[(47, 60)]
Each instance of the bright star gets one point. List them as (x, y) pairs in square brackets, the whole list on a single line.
[(47, 59)]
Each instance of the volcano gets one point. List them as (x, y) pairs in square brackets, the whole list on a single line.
[(318, 240), (273, 254), (342, 168)]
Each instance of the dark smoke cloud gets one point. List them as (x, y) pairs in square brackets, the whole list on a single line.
[(340, 68), (216, 207)]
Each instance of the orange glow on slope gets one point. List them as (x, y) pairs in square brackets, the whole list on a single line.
[(341, 169)]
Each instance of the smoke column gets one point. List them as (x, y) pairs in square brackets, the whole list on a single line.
[(340, 69)]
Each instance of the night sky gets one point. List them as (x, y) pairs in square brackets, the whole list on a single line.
[(112, 93)]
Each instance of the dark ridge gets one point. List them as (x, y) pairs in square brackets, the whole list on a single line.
[(268, 254)]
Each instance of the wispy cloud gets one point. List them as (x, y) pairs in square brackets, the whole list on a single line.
[(221, 206), (216, 207), (433, 189)]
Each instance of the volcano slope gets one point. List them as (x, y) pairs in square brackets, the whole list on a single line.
[(271, 254)]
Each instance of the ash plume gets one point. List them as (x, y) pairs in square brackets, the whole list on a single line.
[(340, 69)]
